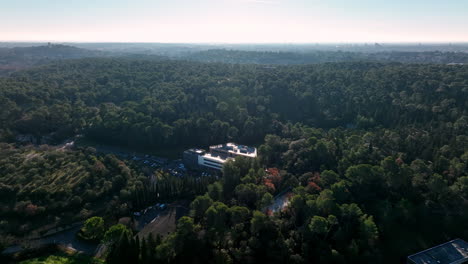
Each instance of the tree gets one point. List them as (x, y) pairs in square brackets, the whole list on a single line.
[(215, 191), (185, 241), (329, 177), (369, 230), (460, 187), (340, 191), (367, 182), (200, 205), (326, 202), (238, 214), (93, 229), (259, 222), (217, 216), (221, 257), (145, 252), (116, 232), (231, 174), (125, 250), (249, 194), (266, 201), (318, 226)]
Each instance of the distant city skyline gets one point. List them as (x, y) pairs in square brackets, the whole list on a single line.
[(235, 21)]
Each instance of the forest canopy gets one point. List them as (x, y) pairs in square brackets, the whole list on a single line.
[(143, 103), (373, 156)]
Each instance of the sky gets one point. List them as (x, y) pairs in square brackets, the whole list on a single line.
[(235, 21)]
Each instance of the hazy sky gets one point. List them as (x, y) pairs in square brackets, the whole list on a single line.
[(245, 21)]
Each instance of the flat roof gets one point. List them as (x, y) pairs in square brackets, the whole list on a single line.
[(452, 252), (237, 149)]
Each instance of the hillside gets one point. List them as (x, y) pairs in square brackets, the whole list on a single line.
[(17, 58), (46, 187)]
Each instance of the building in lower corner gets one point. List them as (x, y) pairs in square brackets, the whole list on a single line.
[(452, 252), (217, 156)]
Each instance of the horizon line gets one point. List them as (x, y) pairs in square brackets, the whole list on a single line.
[(239, 43)]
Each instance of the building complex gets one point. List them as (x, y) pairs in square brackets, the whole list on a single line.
[(452, 252), (216, 156)]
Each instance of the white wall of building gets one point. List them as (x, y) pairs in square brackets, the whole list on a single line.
[(211, 162)]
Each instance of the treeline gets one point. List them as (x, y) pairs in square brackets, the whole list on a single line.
[(314, 57), (147, 104)]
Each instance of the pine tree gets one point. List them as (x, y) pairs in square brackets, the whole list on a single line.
[(151, 245), (144, 252), (112, 255), (136, 249)]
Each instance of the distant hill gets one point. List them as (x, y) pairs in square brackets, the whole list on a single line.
[(313, 57), (17, 58), (270, 57)]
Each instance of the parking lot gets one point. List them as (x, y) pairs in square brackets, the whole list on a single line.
[(173, 167), (149, 164)]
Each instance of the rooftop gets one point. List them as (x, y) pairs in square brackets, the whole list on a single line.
[(452, 252), (240, 150)]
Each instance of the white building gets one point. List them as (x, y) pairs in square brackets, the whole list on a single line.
[(210, 161)]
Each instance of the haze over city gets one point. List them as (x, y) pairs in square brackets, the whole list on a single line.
[(234, 21)]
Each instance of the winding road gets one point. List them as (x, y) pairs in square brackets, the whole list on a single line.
[(65, 238)]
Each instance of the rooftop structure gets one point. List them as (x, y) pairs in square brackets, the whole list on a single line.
[(232, 150), (452, 252), (196, 151)]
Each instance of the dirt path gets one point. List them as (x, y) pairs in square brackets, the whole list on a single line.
[(162, 225), (165, 222)]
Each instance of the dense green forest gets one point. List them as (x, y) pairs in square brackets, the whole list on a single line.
[(164, 103), (358, 197), (375, 155)]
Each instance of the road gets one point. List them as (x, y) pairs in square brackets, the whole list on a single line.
[(65, 238)]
